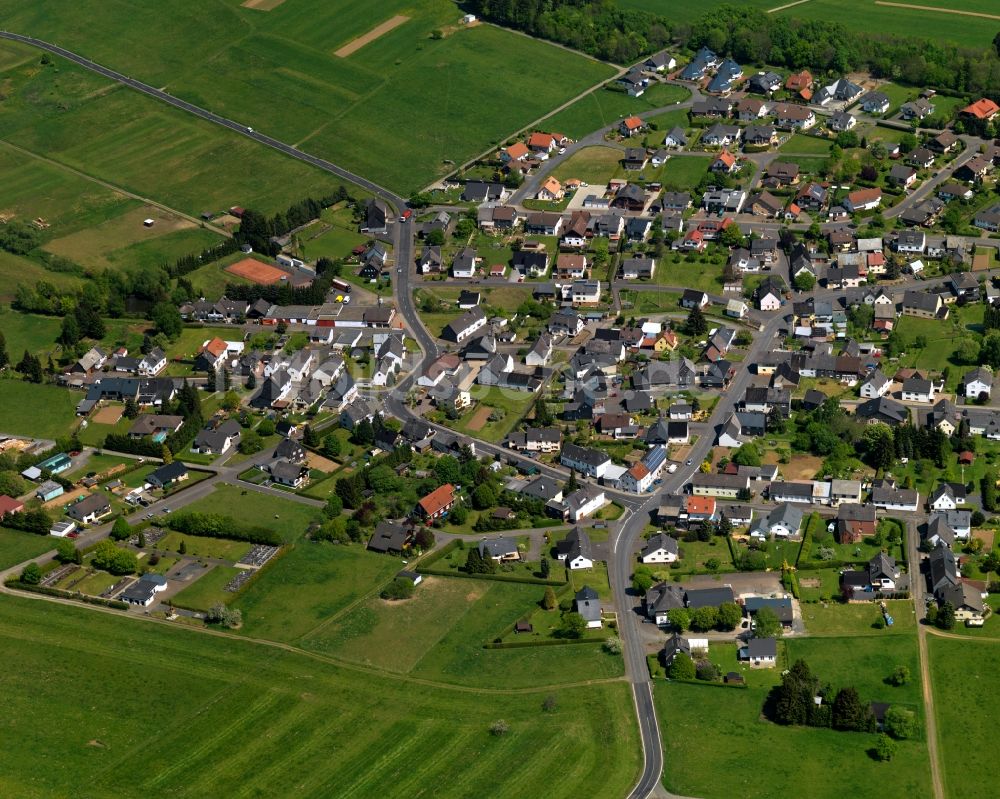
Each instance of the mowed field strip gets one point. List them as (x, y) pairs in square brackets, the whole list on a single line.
[(356, 44), (918, 7), (262, 5)]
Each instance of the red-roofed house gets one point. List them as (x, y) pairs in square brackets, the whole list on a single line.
[(801, 83), (694, 240), (724, 162), (630, 126), (637, 479), (700, 509), (863, 200), (516, 152), (551, 190), (211, 355), (438, 502), (981, 109), (541, 142), (9, 505)]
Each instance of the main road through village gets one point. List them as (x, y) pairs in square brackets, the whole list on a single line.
[(624, 538)]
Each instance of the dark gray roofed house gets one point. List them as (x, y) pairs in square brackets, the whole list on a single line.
[(588, 605), (709, 597), (389, 537)]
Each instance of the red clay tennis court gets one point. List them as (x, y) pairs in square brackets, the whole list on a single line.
[(258, 272)]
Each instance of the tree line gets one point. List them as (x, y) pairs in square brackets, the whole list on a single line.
[(750, 36), (257, 230)]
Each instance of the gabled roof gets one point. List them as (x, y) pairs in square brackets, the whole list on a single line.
[(438, 499)]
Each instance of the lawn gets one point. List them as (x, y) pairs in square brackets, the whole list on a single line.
[(214, 697), (446, 624), (308, 585), (16, 546), (605, 107), (512, 404), (707, 759), (31, 409), (677, 270), (100, 464), (800, 144), (652, 301), (278, 72), (593, 165), (966, 706), (208, 590), (835, 618), (31, 332), (595, 577), (201, 547), (334, 236), (286, 516), (683, 173)]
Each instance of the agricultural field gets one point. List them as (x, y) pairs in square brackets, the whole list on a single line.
[(604, 107), (45, 411), (279, 71), (966, 707), (704, 757), (81, 121), (323, 721)]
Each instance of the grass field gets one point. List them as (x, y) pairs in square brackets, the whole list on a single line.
[(801, 144), (835, 618), (604, 107), (513, 404), (287, 517), (17, 546), (36, 410), (201, 547), (963, 673), (208, 590), (36, 334), (441, 631), (309, 584), (706, 758), (676, 270), (276, 71), (593, 165), (230, 712), (683, 173)]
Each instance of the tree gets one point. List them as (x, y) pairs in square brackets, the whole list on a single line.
[(543, 416), (900, 723), (310, 437), (69, 335), (400, 588), (879, 446), (850, 713), (695, 325), (484, 496), (732, 237), (544, 568), (231, 401), (114, 559), (805, 281), (266, 427), (706, 670), (250, 442), (682, 667), (424, 538), (182, 548), (549, 601), (332, 447), (167, 318), (166, 455), (612, 645), (946, 616), (967, 351), (900, 676), (791, 702), (679, 618), (252, 381), (4, 357), (120, 530), (131, 410), (65, 551), (704, 619), (907, 143), (729, 616), (766, 624), (31, 574), (573, 625), (571, 484), (885, 748), (220, 614), (475, 563), (642, 579)]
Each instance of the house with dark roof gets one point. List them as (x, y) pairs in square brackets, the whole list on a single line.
[(575, 550), (661, 599), (167, 475), (390, 537), (588, 605)]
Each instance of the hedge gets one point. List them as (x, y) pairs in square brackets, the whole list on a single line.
[(74, 595), (543, 642), (216, 525), (506, 578)]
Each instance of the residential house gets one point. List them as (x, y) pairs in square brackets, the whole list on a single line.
[(863, 200), (437, 503), (978, 383), (760, 653), (575, 550), (793, 117), (660, 548), (588, 605), (591, 462), (637, 268), (855, 522), (89, 509), (464, 326)]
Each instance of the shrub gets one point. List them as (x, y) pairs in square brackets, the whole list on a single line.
[(31, 574), (400, 588), (227, 617), (613, 645), (499, 728)]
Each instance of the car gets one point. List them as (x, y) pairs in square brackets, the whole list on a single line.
[(687, 462), (249, 129), (149, 515), (672, 468)]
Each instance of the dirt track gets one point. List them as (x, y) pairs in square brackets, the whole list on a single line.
[(356, 44), (262, 5), (940, 10)]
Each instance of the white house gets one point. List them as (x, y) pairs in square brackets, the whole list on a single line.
[(661, 548), (875, 385), (978, 382), (760, 653), (591, 462), (917, 389), (583, 502)]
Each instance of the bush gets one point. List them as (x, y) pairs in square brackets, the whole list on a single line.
[(115, 560), (706, 670), (400, 588), (900, 723), (499, 728), (682, 668), (613, 645), (227, 617), (217, 525), (900, 676), (885, 748), (31, 574)]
